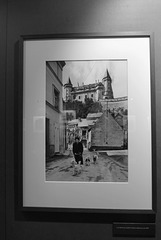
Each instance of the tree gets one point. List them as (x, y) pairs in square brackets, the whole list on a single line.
[(82, 109), (96, 107)]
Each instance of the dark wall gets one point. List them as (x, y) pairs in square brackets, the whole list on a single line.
[(60, 16), (3, 14)]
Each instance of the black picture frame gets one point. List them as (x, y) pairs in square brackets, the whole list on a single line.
[(73, 214)]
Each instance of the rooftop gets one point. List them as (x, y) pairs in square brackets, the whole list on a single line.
[(92, 86), (83, 122), (91, 116)]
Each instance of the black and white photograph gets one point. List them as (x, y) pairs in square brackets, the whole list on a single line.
[(86, 121)]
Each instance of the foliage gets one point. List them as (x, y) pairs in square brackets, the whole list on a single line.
[(82, 109)]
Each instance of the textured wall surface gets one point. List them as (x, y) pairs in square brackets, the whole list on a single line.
[(59, 16), (107, 132)]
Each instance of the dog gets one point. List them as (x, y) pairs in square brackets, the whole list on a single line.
[(87, 161), (73, 162), (77, 168)]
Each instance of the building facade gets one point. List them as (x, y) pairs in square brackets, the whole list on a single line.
[(55, 130), (80, 93)]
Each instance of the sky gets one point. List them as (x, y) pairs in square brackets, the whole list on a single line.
[(86, 72)]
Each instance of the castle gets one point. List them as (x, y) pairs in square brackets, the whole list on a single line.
[(96, 91)]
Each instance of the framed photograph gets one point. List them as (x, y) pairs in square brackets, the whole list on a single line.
[(87, 122)]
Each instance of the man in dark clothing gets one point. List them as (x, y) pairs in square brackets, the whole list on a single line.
[(78, 150)]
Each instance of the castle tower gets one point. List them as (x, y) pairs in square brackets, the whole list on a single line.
[(108, 94), (68, 88)]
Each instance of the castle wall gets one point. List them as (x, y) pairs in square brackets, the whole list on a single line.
[(115, 103)]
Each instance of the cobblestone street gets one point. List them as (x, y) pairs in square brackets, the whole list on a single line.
[(112, 168)]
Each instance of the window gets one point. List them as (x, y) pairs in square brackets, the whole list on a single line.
[(59, 72), (91, 95), (55, 98), (83, 132)]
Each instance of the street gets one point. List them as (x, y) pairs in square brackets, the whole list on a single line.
[(108, 168)]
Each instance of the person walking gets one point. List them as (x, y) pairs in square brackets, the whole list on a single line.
[(78, 151)]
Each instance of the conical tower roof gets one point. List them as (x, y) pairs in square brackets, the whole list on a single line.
[(107, 75), (108, 94), (69, 83)]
